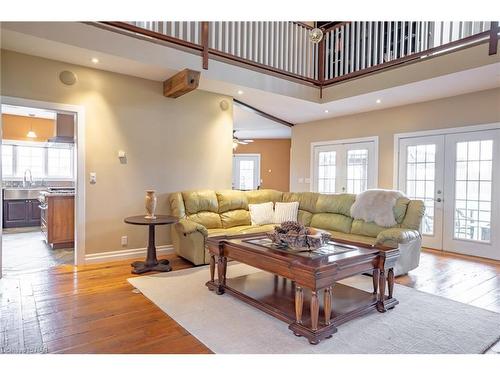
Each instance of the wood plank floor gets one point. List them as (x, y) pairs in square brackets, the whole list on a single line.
[(92, 309)]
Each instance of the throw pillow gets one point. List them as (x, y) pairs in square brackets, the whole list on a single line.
[(261, 213), (286, 212)]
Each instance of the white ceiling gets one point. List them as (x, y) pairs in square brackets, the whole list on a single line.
[(77, 43), (249, 125)]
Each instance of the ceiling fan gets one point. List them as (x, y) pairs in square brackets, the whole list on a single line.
[(237, 141)]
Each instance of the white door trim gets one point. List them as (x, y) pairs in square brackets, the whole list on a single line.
[(80, 168), (422, 133), (373, 139)]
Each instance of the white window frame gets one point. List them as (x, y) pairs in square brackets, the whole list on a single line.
[(45, 146), (373, 173), (257, 172)]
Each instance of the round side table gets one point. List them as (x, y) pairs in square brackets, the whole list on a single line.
[(151, 263)]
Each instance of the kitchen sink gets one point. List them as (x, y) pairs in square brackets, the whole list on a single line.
[(22, 193)]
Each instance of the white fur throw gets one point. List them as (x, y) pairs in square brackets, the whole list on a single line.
[(376, 205)]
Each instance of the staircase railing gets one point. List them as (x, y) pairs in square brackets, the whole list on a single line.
[(347, 50)]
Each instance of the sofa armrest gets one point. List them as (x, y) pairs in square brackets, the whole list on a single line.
[(187, 227), (395, 236)]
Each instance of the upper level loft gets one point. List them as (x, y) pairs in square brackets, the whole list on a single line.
[(319, 56)]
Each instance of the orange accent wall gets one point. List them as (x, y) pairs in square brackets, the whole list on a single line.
[(16, 127), (274, 161)]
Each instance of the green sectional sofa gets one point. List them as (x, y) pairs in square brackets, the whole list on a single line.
[(206, 213)]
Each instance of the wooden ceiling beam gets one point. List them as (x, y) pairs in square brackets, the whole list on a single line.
[(181, 83)]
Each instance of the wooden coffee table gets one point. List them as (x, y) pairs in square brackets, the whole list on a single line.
[(293, 280)]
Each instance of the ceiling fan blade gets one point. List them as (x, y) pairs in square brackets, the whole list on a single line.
[(248, 140)]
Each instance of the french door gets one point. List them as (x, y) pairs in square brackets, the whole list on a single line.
[(246, 171), (344, 167), (457, 176)]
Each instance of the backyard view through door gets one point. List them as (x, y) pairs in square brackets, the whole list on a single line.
[(457, 177)]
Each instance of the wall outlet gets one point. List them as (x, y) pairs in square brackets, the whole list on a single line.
[(124, 240), (301, 180)]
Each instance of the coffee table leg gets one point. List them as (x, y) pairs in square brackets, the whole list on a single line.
[(212, 267), (221, 272), (328, 305), (376, 273), (381, 296), (390, 281), (299, 303)]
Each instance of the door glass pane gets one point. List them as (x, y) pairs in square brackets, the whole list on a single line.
[(357, 171), (247, 174), (326, 171), (420, 179), (473, 190)]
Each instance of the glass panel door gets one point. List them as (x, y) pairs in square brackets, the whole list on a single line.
[(421, 166), (344, 168), (472, 212), (246, 171)]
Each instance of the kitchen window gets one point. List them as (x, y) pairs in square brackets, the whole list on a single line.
[(44, 160)]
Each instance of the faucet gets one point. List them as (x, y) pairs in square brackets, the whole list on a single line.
[(25, 179)]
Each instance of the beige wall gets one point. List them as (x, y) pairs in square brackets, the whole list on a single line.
[(274, 161), (470, 109), (171, 144)]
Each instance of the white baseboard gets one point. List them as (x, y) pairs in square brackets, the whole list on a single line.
[(111, 256)]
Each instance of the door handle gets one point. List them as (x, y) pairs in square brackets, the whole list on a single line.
[(439, 200)]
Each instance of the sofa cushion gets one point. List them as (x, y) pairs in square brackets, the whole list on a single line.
[(414, 214), (400, 209), (335, 203), (307, 201), (304, 218), (352, 237), (261, 213), (231, 200), (241, 229), (208, 219), (363, 228), (176, 202), (200, 200), (285, 211), (263, 196), (334, 222), (235, 218)]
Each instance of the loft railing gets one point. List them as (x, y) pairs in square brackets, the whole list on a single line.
[(358, 46), (347, 50)]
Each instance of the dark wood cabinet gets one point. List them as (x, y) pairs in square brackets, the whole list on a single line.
[(21, 213), (58, 221)]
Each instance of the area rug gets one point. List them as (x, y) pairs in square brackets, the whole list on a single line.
[(421, 323)]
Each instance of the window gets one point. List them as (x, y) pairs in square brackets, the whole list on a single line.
[(59, 162), (7, 160), (357, 171), (326, 172), (44, 160)]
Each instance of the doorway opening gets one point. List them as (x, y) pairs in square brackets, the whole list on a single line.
[(39, 175)]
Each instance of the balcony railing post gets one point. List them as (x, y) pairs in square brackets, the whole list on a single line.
[(204, 43), (321, 61), (493, 37)]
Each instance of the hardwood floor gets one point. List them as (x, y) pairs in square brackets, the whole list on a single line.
[(92, 309)]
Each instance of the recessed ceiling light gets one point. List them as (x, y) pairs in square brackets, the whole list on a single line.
[(326, 110), (95, 60), (378, 101), (240, 92)]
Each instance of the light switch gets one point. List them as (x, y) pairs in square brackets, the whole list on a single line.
[(93, 177)]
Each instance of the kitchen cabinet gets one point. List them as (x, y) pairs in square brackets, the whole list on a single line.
[(21, 213), (58, 220)]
